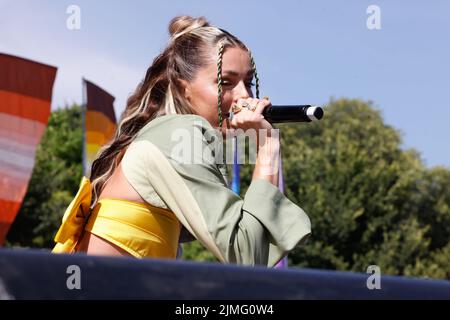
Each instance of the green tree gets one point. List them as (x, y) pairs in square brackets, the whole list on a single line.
[(370, 202)]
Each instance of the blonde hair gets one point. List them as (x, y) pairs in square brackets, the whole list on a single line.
[(159, 93)]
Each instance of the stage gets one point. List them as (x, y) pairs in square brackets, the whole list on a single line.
[(38, 274)]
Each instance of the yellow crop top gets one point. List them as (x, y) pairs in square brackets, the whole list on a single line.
[(138, 228)]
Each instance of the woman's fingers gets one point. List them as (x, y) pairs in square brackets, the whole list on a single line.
[(262, 104), (243, 116)]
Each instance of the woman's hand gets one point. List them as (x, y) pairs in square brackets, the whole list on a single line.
[(246, 119), (268, 144)]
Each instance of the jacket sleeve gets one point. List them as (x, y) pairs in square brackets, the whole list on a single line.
[(259, 229)]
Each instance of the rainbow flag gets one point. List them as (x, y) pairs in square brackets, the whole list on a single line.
[(99, 122), (25, 102), (236, 182)]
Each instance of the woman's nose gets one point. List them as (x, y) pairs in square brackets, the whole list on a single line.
[(241, 92)]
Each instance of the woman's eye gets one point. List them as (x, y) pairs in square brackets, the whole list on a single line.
[(229, 83)]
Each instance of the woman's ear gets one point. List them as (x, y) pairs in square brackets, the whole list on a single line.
[(185, 89)]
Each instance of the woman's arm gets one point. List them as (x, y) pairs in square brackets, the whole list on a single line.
[(258, 229), (268, 158), (267, 137)]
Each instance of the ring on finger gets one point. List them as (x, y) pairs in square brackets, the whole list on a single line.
[(252, 108), (236, 108), (245, 104)]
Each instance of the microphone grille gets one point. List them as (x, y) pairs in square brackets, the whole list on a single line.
[(314, 113)]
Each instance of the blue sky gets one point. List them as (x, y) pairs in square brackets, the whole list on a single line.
[(306, 52)]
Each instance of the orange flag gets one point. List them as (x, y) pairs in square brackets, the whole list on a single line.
[(100, 122), (25, 99)]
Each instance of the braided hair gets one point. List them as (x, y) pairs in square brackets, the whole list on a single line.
[(221, 45)]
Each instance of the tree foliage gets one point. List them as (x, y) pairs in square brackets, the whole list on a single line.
[(370, 201)]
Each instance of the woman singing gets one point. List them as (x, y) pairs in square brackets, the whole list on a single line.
[(143, 198)]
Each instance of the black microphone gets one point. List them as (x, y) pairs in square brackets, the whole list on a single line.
[(293, 113)]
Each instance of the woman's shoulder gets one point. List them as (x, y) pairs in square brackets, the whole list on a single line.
[(175, 121), (168, 127), (186, 134), (186, 140)]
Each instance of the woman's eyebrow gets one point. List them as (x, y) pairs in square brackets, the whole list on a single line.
[(235, 73)]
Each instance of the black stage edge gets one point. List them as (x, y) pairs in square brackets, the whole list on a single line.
[(37, 274)]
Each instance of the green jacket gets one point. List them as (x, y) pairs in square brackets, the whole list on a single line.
[(259, 229)]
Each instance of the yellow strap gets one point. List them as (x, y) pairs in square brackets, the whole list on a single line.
[(74, 219)]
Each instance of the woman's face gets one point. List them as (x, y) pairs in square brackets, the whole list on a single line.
[(237, 75)]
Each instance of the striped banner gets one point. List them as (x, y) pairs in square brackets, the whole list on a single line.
[(236, 182), (99, 121), (25, 99)]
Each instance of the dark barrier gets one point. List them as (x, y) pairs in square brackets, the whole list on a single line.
[(35, 274)]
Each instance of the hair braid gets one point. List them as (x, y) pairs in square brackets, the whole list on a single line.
[(219, 83), (256, 73)]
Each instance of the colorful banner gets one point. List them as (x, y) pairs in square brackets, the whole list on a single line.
[(99, 121), (236, 182), (25, 100)]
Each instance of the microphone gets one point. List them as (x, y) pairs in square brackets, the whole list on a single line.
[(293, 113)]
